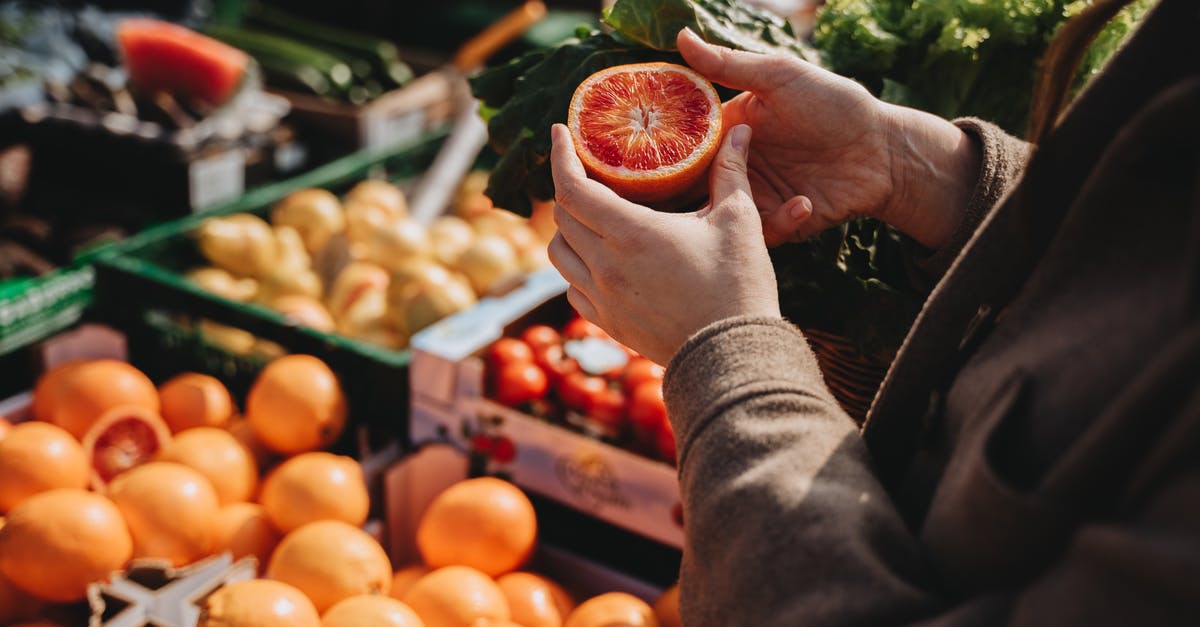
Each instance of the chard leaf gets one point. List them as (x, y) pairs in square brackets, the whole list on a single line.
[(655, 23)]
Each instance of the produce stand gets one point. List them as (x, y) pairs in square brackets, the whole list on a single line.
[(149, 270)]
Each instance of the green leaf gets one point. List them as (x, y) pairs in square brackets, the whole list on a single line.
[(655, 23)]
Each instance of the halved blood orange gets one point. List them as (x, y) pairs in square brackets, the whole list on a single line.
[(122, 438), (647, 130)]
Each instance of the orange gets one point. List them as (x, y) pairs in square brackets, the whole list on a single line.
[(5, 427), (258, 603), (375, 611), (171, 511), (36, 457), (124, 437), (404, 579), (217, 455), (534, 600), (244, 529), (666, 607), (48, 389), (613, 608), (83, 392), (648, 130), (56, 543), (195, 400), (15, 604), (329, 561), (296, 405), (241, 430), (315, 486), (485, 523), (457, 596)]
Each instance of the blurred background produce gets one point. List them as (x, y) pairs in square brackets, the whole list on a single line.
[(360, 266)]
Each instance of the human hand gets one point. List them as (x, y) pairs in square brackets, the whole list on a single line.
[(652, 279), (826, 151)]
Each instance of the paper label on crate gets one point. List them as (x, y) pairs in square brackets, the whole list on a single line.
[(383, 129), (612, 484), (217, 178)]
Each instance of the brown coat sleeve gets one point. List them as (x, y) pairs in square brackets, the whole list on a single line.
[(786, 523), (1003, 160)]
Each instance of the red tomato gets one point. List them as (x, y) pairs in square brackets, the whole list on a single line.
[(505, 451), (555, 362), (609, 409), (540, 336), (640, 370), (579, 389), (647, 413), (518, 383), (482, 444), (580, 328), (506, 351)]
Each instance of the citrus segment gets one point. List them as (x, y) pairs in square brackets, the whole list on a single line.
[(37, 457), (56, 543), (124, 437), (647, 130)]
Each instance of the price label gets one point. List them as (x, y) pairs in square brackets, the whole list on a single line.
[(382, 128), (217, 178)]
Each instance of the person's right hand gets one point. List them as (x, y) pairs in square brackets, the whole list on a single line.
[(826, 151)]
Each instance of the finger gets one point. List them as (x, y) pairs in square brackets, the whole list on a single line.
[(568, 262), (590, 202), (583, 305), (734, 110), (730, 185), (582, 240), (814, 224), (736, 69), (780, 225)]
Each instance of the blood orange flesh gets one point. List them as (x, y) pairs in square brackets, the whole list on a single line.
[(161, 56), (124, 437), (647, 130)]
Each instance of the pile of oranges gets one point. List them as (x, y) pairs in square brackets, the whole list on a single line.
[(113, 469)]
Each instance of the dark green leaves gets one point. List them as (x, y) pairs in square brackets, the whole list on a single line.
[(528, 95), (655, 23)]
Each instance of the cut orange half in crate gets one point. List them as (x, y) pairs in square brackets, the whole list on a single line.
[(648, 130)]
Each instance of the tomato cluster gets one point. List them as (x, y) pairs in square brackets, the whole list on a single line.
[(623, 404)]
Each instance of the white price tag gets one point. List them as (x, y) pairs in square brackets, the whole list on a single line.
[(216, 178), (382, 128)]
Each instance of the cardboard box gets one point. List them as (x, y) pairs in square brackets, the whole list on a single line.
[(448, 405), (411, 485)]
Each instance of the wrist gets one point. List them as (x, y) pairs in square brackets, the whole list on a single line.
[(935, 167)]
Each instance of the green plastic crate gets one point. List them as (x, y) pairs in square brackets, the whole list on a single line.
[(142, 291)]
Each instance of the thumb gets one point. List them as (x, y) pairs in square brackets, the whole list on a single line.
[(728, 179), (736, 69)]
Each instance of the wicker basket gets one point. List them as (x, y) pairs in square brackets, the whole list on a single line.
[(851, 376)]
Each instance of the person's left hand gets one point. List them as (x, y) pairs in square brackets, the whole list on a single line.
[(652, 279)]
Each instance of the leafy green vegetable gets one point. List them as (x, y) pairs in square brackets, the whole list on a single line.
[(523, 98), (655, 23), (954, 59)]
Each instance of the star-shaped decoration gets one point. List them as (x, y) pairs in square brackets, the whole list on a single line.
[(151, 592)]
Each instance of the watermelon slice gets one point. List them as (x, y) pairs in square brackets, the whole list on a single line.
[(161, 56)]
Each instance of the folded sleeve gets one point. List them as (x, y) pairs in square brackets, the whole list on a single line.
[(1002, 161)]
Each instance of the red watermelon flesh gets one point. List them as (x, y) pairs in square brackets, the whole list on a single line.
[(161, 56)]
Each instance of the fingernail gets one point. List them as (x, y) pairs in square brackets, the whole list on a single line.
[(689, 31), (801, 209), (739, 138)]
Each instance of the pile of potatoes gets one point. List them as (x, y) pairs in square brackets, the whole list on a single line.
[(361, 267)]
